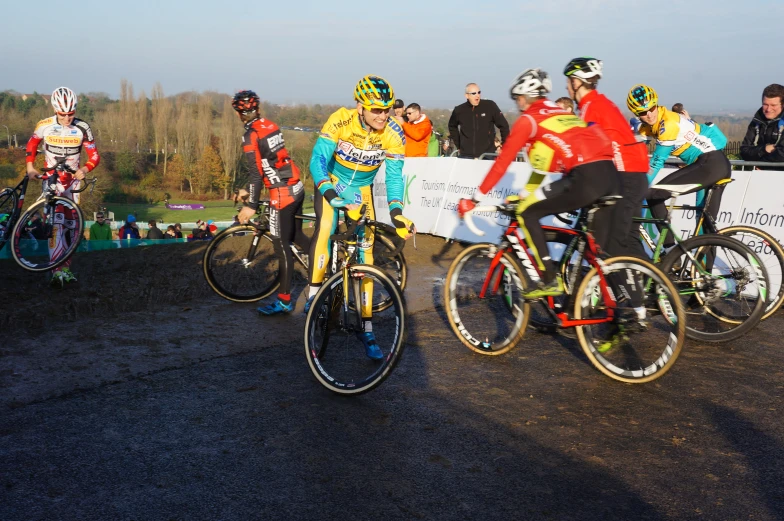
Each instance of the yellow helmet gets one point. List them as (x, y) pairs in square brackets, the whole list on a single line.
[(374, 92), (641, 99)]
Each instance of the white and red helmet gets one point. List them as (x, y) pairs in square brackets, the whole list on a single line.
[(63, 100)]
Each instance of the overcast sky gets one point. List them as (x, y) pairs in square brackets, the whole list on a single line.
[(712, 56)]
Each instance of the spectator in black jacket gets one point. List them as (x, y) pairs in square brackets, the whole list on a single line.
[(472, 124), (154, 232), (763, 141)]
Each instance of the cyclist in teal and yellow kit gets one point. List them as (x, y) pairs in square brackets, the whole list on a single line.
[(348, 153)]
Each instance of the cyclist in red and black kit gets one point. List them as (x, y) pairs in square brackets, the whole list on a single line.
[(629, 155), (269, 162), (559, 142), (63, 136)]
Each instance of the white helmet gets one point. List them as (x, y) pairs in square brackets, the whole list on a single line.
[(531, 82), (63, 100)]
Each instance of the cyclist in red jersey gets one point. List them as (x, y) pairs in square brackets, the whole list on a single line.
[(269, 162), (558, 142), (629, 155), (64, 136)]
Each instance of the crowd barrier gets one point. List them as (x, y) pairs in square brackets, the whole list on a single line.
[(434, 185)]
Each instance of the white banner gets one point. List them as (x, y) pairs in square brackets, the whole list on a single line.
[(435, 185)]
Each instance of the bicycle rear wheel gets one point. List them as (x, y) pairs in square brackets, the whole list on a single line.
[(335, 354), (8, 202), (241, 265), (63, 225), (771, 254), (490, 322), (627, 349), (724, 289)]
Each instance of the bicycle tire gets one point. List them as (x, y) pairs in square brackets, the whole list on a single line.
[(231, 274), (710, 317), (8, 203), (637, 357), (34, 256), (334, 354), (470, 316), (772, 255)]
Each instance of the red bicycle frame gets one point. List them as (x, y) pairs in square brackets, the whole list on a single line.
[(515, 241)]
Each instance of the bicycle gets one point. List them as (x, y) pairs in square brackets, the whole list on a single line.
[(51, 210), (340, 311), (726, 284), (240, 263), (767, 248), (485, 309)]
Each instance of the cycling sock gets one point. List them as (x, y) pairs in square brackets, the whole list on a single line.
[(312, 290), (641, 312), (284, 297), (368, 326)]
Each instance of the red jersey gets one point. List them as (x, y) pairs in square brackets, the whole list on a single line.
[(64, 141), (629, 155), (268, 159), (558, 141)]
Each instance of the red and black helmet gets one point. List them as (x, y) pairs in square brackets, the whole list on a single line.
[(245, 101)]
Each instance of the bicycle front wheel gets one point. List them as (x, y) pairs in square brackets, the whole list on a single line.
[(723, 285), (241, 265), (8, 203), (629, 348), (63, 226), (771, 254), (335, 353), (483, 298)]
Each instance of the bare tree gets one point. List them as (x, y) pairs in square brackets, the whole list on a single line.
[(127, 114), (186, 138), (203, 123), (142, 122), (231, 131), (161, 115)]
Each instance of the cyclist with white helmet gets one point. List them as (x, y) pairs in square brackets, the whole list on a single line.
[(629, 155), (63, 136), (700, 146), (346, 158), (559, 141)]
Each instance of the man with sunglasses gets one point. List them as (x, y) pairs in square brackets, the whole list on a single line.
[(699, 146), (348, 153), (418, 130), (472, 125), (63, 136)]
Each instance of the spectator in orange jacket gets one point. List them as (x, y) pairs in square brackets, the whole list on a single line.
[(417, 129)]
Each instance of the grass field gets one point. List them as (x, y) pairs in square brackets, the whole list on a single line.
[(215, 210)]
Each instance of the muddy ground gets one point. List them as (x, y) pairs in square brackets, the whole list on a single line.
[(137, 394)]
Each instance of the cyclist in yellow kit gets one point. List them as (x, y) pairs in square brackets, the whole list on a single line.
[(348, 153)]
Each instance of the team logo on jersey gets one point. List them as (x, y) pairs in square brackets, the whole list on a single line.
[(62, 140), (351, 154)]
